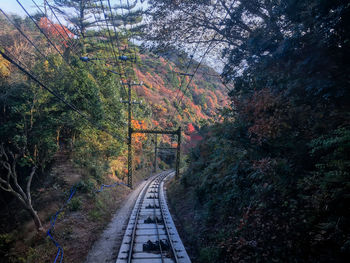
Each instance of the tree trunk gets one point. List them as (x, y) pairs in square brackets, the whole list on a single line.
[(58, 137), (9, 183), (36, 218)]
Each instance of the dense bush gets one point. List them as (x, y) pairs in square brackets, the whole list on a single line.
[(271, 182)]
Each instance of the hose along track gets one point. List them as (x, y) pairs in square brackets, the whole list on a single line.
[(151, 235)]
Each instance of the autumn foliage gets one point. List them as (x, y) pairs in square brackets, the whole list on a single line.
[(55, 31), (190, 129), (267, 114), (139, 137)]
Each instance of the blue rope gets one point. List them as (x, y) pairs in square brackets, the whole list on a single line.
[(54, 218), (53, 221)]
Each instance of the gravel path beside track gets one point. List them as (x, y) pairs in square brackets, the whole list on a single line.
[(105, 250)]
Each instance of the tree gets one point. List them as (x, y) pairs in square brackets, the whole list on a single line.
[(250, 32), (9, 182), (80, 18), (55, 31)]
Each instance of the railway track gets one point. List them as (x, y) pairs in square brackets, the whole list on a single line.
[(151, 235)]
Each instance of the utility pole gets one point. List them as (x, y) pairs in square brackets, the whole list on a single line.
[(130, 102), (129, 138), (155, 154), (178, 153), (178, 148)]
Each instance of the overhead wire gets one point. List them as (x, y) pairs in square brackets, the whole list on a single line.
[(40, 29), (120, 65), (129, 10), (45, 57), (97, 21), (52, 92), (45, 35), (30, 41), (50, 22), (195, 71), (109, 32), (184, 77), (35, 46), (54, 13), (187, 68), (59, 22), (22, 33), (85, 64)]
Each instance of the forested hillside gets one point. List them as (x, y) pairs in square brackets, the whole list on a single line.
[(201, 102), (271, 182), (266, 149), (64, 128)]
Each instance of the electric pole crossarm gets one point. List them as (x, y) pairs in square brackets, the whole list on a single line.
[(154, 131), (167, 148), (183, 74)]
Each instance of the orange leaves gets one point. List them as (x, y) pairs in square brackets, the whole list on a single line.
[(160, 110), (139, 137), (155, 123), (190, 129), (55, 31), (4, 67)]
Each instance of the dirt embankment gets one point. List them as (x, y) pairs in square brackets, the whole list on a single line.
[(78, 226)]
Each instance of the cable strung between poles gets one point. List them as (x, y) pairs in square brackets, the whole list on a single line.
[(64, 40), (73, 107), (196, 69), (45, 57), (36, 24)]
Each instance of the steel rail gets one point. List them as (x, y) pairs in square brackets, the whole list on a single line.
[(166, 227), (156, 219), (135, 248), (139, 205)]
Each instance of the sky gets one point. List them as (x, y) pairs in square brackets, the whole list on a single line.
[(12, 7)]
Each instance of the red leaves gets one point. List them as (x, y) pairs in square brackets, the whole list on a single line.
[(55, 31), (190, 129), (138, 137), (267, 113)]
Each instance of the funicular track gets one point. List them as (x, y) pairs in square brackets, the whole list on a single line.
[(151, 235)]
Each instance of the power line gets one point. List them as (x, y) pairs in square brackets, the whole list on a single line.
[(187, 68), (50, 21), (32, 43), (129, 10), (36, 24), (122, 66), (97, 21), (109, 32), (63, 30), (45, 57), (22, 33), (55, 94), (195, 71), (58, 20)]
